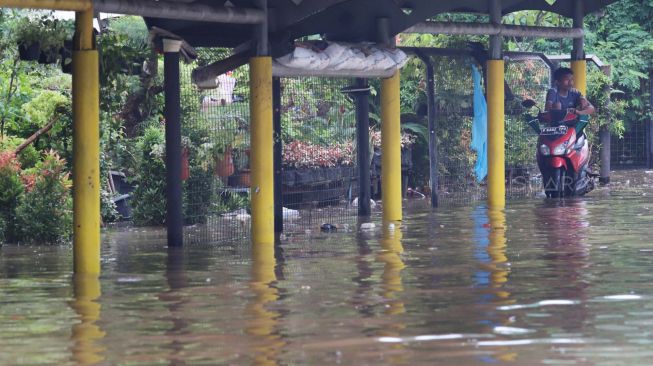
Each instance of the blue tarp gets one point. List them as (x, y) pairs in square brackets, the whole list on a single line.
[(479, 127)]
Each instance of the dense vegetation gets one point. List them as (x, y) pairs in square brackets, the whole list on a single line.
[(34, 171)]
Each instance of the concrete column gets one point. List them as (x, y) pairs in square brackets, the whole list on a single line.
[(433, 137), (278, 155), (172, 112), (363, 146)]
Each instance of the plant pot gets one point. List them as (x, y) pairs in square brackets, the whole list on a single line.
[(224, 165), (29, 52), (136, 69), (244, 178), (66, 53), (47, 57)]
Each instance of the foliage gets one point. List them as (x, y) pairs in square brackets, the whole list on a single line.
[(11, 190), (301, 154), (119, 56), (610, 110), (44, 215), (230, 201), (134, 27), (40, 109), (315, 110), (149, 204), (42, 27), (519, 143), (27, 158), (199, 193), (406, 139), (15, 82)]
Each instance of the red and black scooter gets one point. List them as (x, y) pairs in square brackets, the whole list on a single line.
[(563, 152)]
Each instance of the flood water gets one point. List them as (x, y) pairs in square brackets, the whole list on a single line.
[(544, 282)]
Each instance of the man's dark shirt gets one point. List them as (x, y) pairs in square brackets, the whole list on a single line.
[(572, 100)]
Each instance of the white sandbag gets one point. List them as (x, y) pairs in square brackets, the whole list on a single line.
[(319, 61), (398, 56), (352, 57), (335, 51)]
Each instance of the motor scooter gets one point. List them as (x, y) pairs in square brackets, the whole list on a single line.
[(563, 152)]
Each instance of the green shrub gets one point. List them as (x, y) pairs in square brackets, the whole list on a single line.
[(198, 194), (149, 199), (44, 215), (11, 190), (3, 229)]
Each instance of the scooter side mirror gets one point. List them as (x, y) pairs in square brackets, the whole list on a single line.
[(528, 103)]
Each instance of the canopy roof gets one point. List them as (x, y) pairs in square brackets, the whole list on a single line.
[(344, 20)]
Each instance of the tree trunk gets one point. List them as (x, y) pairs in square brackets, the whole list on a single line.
[(36, 134)]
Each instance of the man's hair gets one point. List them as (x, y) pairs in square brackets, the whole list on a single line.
[(562, 72)]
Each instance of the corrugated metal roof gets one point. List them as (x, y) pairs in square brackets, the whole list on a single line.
[(345, 20)]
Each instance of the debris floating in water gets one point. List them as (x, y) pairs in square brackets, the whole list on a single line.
[(328, 228)]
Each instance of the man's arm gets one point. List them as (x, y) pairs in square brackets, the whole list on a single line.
[(550, 100), (584, 107)]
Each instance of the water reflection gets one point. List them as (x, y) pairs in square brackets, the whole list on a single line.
[(263, 324), (176, 301), (490, 230), (490, 238), (86, 334), (565, 226), (391, 277), (364, 272), (392, 287)]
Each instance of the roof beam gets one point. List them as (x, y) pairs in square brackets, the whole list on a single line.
[(71, 5), (459, 28), (181, 11)]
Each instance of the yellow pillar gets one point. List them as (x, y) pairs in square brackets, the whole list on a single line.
[(86, 148), (496, 135), (87, 333), (262, 187), (579, 68), (391, 149)]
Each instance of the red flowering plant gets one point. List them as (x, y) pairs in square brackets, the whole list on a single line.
[(44, 214), (302, 154)]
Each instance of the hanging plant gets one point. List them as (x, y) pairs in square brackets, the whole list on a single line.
[(40, 38), (28, 39)]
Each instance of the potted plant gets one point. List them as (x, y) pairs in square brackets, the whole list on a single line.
[(28, 38), (66, 54), (241, 163), (52, 40)]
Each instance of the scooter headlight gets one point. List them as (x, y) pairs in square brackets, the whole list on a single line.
[(561, 149), (544, 150)]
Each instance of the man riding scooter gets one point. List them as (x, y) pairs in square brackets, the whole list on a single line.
[(564, 96), (562, 148)]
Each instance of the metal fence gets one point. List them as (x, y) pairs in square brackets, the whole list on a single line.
[(458, 183), (318, 133), (318, 175), (630, 150)]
